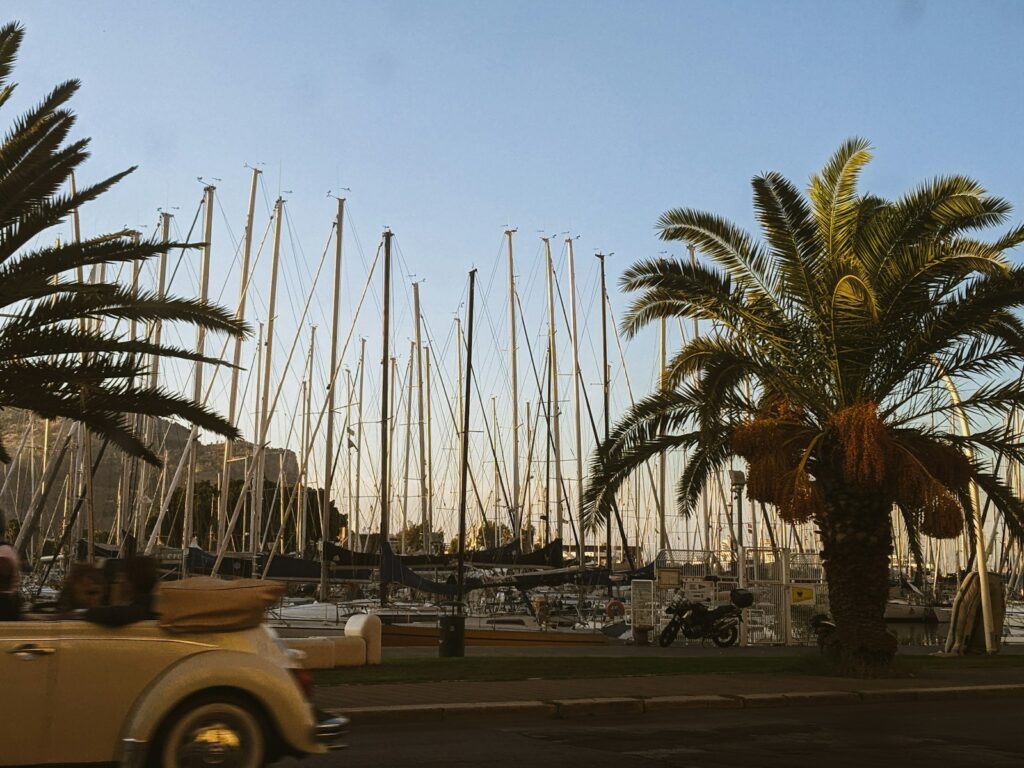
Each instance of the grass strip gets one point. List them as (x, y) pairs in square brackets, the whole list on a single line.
[(504, 668)]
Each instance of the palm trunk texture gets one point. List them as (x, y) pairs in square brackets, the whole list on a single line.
[(856, 546)]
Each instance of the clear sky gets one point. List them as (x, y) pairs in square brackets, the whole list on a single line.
[(449, 121)]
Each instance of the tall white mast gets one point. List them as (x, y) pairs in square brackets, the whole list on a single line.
[(553, 411), (408, 445), (705, 510), (385, 391), (576, 401), (268, 365), (428, 542), (425, 529), (497, 469), (325, 506), (527, 533), (458, 365), (349, 392), (662, 468), (154, 372), (301, 507), (236, 360), (257, 421), (90, 509), (197, 381), (359, 442), (517, 513)]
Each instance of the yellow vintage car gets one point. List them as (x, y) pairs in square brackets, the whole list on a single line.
[(75, 692)]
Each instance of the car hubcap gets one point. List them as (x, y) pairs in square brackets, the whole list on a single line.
[(214, 743)]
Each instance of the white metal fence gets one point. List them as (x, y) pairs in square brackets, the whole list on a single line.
[(788, 589)]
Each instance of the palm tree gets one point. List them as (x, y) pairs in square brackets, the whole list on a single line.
[(842, 326), (58, 356)]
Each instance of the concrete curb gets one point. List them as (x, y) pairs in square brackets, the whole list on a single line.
[(591, 707)]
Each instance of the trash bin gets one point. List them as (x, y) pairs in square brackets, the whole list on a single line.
[(453, 636)]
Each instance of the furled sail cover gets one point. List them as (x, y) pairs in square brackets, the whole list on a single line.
[(394, 570)]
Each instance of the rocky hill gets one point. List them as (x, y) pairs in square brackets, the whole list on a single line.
[(21, 429)]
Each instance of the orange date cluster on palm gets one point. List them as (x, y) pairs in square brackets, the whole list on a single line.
[(910, 469)]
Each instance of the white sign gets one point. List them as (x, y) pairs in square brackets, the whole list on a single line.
[(642, 603)]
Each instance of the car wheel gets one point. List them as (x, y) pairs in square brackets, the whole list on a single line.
[(219, 732)]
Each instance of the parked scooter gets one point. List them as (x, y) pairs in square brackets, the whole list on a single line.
[(696, 621)]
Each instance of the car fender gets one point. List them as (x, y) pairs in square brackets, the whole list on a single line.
[(268, 683)]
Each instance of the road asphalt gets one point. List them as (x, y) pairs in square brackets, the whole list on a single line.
[(984, 732), (953, 716), (447, 699)]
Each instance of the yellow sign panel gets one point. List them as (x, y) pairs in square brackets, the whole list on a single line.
[(802, 594)]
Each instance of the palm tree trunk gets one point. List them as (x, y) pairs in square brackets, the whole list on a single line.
[(856, 545)]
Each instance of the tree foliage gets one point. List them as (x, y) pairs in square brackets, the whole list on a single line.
[(64, 350), (832, 342)]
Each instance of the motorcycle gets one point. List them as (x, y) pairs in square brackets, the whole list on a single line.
[(696, 621)]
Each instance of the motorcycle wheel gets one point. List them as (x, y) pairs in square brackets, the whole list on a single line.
[(726, 637), (668, 635)]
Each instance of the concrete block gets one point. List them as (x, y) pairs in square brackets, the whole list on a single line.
[(590, 707), (400, 712), (368, 627), (318, 652), (349, 651), (969, 691), (751, 700), (665, 703), (814, 698), (890, 694), (500, 709)]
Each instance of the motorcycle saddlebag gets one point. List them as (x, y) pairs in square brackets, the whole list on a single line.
[(741, 598)]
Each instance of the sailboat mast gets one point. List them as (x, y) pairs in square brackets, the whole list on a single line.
[(268, 365), (517, 512), (257, 420), (154, 369), (497, 469), (464, 458), (576, 401), (90, 507), (425, 521), (359, 442), (428, 536), (408, 446), (705, 510), (128, 464), (347, 432), (197, 381), (554, 409), (303, 501), (605, 397), (458, 365), (325, 507), (385, 391), (662, 468), (526, 532), (236, 359)]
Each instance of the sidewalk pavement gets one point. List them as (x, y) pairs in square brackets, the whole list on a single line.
[(640, 694)]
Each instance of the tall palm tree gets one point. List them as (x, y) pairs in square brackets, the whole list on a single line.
[(842, 326), (58, 355)]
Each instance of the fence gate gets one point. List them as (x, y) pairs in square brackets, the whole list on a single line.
[(788, 589)]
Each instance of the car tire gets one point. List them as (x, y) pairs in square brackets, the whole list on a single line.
[(212, 731)]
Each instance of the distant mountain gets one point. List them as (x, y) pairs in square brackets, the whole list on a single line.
[(23, 475)]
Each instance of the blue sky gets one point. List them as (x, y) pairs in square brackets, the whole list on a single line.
[(451, 120)]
